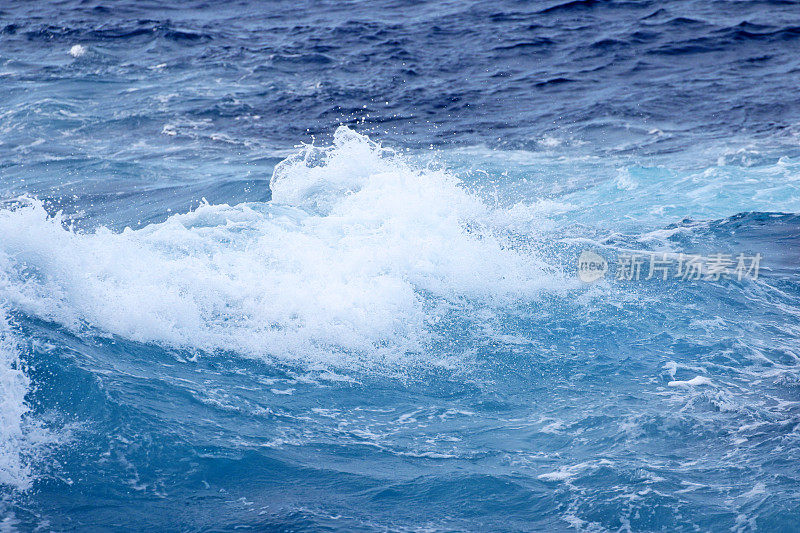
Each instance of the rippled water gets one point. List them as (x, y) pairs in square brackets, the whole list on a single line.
[(302, 266)]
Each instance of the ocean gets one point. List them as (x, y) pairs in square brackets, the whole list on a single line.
[(400, 266)]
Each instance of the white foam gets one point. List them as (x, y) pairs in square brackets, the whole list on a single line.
[(357, 255), (77, 50), (14, 443), (696, 381)]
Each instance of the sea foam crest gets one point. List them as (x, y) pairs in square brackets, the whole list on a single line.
[(357, 255), (15, 445)]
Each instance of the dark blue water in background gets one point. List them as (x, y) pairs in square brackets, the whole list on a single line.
[(388, 334)]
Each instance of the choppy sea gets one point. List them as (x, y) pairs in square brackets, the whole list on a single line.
[(314, 266)]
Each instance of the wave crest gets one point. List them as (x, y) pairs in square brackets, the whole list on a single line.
[(15, 445), (359, 253)]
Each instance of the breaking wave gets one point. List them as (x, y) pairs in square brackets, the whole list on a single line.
[(358, 254)]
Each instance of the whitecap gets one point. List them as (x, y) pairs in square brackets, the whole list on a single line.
[(696, 381), (77, 50), (15, 469), (356, 257)]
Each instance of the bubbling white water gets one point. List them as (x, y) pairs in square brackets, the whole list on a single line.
[(77, 50), (356, 256), (15, 471)]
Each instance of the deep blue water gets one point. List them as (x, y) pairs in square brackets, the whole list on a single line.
[(312, 266)]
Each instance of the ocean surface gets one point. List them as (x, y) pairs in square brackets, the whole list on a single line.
[(314, 266)]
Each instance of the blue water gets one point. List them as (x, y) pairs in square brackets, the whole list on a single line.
[(302, 266)]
